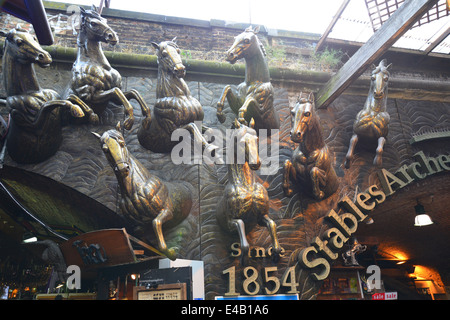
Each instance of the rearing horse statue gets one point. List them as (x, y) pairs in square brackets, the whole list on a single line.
[(145, 199), (254, 97), (93, 79), (34, 132), (372, 122), (311, 164), (245, 200), (175, 107)]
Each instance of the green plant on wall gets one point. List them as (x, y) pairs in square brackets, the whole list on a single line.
[(328, 59), (275, 55)]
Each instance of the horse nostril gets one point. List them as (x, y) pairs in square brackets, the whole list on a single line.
[(41, 56)]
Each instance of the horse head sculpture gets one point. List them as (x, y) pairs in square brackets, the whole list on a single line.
[(310, 166)]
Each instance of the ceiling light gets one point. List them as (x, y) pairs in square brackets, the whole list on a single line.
[(422, 219), (28, 237)]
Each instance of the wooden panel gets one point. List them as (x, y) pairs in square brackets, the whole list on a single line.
[(400, 22), (103, 248)]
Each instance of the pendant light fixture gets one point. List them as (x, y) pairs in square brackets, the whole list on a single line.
[(421, 219)]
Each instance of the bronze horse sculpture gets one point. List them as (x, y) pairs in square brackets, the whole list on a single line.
[(175, 107), (372, 122), (254, 96), (311, 163), (94, 81), (245, 201), (35, 129), (145, 198)]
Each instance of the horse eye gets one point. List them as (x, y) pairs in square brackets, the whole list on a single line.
[(19, 42), (385, 78), (164, 53), (178, 51), (94, 24), (246, 41), (105, 148), (373, 78), (307, 114)]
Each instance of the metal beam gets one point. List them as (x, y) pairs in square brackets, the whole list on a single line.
[(397, 25)]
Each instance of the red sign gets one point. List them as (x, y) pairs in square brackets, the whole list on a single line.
[(385, 296)]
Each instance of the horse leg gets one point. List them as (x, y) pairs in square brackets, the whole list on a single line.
[(134, 94), (49, 106), (117, 95), (272, 227), (351, 149), (318, 179), (164, 216), (200, 139), (289, 171), (233, 101), (249, 103), (378, 160), (239, 225), (93, 117)]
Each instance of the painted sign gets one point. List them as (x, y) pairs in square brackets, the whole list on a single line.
[(385, 296)]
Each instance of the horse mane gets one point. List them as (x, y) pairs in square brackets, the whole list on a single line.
[(255, 32)]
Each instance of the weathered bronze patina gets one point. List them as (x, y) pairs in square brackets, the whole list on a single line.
[(311, 165), (93, 79), (145, 198), (175, 107), (245, 200), (34, 132), (372, 122), (254, 97)]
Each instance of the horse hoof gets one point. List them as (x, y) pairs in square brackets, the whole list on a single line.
[(243, 121), (76, 111), (171, 254), (288, 192), (146, 123), (128, 123), (320, 196), (221, 117), (93, 118)]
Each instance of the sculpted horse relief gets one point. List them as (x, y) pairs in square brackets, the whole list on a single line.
[(372, 122), (175, 107), (94, 81), (311, 165), (254, 97), (34, 132), (245, 200), (145, 198)]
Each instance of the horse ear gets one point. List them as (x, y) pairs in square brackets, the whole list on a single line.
[(155, 45), (252, 123), (96, 134), (256, 30), (389, 65), (3, 33), (174, 39), (118, 127), (94, 8), (82, 10), (311, 97), (237, 124)]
